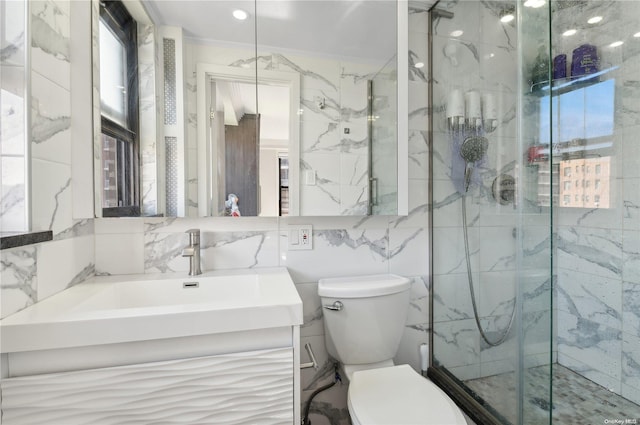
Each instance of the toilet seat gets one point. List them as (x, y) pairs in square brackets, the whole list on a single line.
[(398, 395)]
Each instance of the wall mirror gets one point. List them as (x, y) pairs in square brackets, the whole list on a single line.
[(272, 108)]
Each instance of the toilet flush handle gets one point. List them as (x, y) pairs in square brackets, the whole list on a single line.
[(336, 306)]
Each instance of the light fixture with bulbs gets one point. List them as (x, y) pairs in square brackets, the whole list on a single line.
[(507, 18), (240, 14), (569, 33), (636, 35), (616, 43), (419, 65), (534, 3), (456, 33), (594, 20)]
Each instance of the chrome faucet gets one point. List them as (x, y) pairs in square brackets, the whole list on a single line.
[(193, 252)]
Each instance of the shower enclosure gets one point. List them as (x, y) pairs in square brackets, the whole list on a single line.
[(535, 220)]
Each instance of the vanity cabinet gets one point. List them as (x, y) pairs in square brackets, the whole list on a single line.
[(219, 348), (235, 388)]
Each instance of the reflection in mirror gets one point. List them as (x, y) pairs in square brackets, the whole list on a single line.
[(249, 149), (345, 54), (324, 139), (119, 107), (14, 160)]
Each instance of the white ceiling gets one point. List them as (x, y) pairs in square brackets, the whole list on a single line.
[(356, 30), (273, 107), (359, 29)]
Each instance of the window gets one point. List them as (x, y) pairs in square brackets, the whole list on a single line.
[(597, 184), (586, 183), (119, 110), (596, 198), (567, 199), (567, 185), (567, 171), (598, 168)]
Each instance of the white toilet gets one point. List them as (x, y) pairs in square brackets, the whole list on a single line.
[(364, 318)]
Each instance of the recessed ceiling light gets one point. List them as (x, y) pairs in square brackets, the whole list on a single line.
[(616, 44), (636, 34), (568, 33), (240, 14), (419, 65), (534, 3), (507, 18), (595, 19), (456, 33)]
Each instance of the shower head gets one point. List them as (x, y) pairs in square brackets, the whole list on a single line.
[(473, 148)]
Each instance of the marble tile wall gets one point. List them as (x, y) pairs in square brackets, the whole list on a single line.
[(51, 115), (598, 248), (30, 274), (148, 114)]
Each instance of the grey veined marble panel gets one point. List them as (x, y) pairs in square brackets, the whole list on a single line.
[(18, 285)]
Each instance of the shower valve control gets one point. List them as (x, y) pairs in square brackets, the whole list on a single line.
[(504, 189)]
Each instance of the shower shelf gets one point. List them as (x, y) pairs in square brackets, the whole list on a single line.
[(566, 85)]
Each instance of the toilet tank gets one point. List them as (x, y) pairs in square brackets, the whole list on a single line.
[(370, 324)]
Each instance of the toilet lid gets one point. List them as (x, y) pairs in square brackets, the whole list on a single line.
[(400, 396)]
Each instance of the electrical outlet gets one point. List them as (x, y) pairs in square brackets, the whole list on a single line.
[(305, 237), (300, 237)]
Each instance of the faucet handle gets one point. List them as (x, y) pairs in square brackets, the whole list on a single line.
[(194, 236)]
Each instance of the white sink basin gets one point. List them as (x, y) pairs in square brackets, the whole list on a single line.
[(113, 309), (184, 293)]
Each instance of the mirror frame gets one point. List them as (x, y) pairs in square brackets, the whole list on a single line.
[(208, 204), (402, 97)]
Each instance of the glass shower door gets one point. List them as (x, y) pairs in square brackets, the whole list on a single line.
[(595, 123), (491, 214)]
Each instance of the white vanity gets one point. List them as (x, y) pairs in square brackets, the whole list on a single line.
[(222, 347)]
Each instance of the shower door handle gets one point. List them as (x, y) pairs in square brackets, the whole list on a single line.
[(373, 190), (336, 306)]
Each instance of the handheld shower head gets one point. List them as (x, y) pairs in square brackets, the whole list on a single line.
[(473, 148)]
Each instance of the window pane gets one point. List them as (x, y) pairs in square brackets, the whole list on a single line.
[(113, 70), (109, 172), (117, 173)]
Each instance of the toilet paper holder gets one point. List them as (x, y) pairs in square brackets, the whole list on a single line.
[(313, 363)]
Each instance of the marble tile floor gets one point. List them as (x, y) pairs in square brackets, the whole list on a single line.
[(576, 399)]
